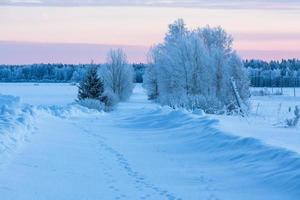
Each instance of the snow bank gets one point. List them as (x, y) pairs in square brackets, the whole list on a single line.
[(15, 123), (68, 111), (267, 121), (92, 104), (17, 120), (198, 134)]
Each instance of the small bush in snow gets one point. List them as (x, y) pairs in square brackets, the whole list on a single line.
[(109, 99), (198, 112), (295, 120), (92, 104)]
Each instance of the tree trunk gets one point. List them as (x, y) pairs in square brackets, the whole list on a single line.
[(237, 95)]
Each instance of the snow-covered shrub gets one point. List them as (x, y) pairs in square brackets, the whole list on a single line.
[(117, 74), (295, 120), (198, 112), (194, 68), (92, 104), (110, 99)]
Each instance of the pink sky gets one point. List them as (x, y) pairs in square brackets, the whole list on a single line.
[(32, 34)]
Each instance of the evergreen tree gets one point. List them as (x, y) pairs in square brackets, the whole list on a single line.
[(91, 87)]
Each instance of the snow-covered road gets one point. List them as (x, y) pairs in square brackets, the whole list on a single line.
[(144, 151)]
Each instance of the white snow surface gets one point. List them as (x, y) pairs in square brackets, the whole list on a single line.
[(41, 93), (141, 151), (266, 120)]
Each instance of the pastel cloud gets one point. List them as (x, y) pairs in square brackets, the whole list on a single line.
[(224, 4)]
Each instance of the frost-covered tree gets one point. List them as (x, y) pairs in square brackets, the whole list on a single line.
[(240, 75), (194, 69), (117, 74), (91, 87), (150, 82)]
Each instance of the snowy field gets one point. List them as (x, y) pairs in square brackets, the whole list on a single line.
[(266, 120), (41, 93), (142, 150)]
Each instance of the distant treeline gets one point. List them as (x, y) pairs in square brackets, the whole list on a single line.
[(53, 72), (285, 73)]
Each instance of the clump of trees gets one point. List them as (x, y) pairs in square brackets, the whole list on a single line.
[(104, 87), (194, 69)]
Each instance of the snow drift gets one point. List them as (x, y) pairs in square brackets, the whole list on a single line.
[(196, 134), (68, 111), (17, 120), (15, 123)]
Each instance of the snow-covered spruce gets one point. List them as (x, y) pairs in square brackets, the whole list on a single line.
[(193, 69), (90, 90), (91, 87)]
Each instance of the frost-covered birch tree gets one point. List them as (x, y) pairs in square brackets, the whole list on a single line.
[(150, 82), (117, 75), (194, 69)]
